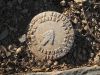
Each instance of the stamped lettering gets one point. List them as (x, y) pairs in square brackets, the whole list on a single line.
[(53, 35)]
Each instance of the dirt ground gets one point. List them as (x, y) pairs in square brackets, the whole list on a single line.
[(15, 16)]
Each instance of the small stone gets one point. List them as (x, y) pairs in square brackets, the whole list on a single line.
[(86, 28), (55, 63), (18, 50), (47, 69), (63, 3), (93, 19), (94, 43), (80, 4), (26, 70), (99, 29), (39, 64), (8, 54), (49, 62), (75, 21), (91, 55), (84, 21), (77, 12), (22, 38)]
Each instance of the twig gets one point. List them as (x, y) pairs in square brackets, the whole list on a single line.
[(90, 32)]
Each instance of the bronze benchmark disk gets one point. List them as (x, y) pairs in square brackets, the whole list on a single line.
[(50, 35)]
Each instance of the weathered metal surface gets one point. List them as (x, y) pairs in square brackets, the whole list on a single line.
[(51, 35)]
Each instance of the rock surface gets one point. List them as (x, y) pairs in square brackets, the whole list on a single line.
[(15, 15), (95, 70)]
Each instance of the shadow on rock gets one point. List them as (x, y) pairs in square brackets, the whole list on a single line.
[(16, 16), (80, 52)]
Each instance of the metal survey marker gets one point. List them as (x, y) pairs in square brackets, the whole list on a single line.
[(50, 35)]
